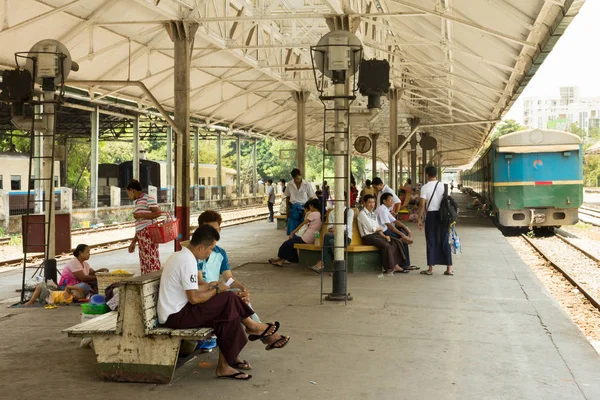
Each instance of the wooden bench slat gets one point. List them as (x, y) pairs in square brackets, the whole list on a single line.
[(106, 323), (361, 248), (193, 333)]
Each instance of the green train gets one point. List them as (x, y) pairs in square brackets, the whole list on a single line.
[(531, 178)]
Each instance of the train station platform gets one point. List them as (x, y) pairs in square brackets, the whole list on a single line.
[(489, 332)]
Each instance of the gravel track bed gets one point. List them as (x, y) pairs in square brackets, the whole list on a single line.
[(583, 269), (586, 316)]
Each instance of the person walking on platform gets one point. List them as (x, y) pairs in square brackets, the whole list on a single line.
[(371, 232), (436, 235), (297, 193), (146, 210), (381, 188), (270, 199)]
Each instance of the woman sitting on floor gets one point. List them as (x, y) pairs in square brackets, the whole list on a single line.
[(77, 270), (313, 223)]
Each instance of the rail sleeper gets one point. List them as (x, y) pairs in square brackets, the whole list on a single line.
[(129, 344)]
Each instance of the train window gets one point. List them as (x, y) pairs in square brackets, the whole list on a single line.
[(559, 215), (518, 216), (15, 182), (55, 181)]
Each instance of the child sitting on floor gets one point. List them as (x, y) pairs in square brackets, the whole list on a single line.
[(43, 295)]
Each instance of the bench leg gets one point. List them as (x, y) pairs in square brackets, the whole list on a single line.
[(136, 359)]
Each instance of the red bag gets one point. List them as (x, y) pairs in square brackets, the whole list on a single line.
[(164, 231)]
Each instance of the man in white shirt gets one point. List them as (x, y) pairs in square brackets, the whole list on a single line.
[(394, 228), (371, 232), (184, 304), (297, 192), (328, 240), (436, 235), (380, 189)]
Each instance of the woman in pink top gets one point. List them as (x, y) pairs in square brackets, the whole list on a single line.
[(77, 270), (313, 220)]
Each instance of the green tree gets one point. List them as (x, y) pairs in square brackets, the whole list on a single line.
[(114, 152), (503, 128), (574, 128)]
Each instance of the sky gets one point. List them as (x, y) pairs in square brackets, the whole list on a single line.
[(575, 61)]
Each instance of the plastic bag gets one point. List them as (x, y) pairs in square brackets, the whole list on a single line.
[(455, 241)]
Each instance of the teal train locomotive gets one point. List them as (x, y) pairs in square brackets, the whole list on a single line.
[(531, 178)]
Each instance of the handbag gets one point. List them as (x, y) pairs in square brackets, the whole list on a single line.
[(163, 231)]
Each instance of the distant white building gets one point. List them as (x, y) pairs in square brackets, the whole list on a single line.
[(560, 112)]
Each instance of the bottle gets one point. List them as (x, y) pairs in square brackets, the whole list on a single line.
[(317, 238)]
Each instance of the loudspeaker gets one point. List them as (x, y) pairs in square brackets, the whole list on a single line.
[(374, 80)]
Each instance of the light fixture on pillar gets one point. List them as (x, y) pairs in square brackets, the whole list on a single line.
[(337, 57), (47, 64)]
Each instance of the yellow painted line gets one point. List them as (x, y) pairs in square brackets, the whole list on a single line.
[(533, 183)]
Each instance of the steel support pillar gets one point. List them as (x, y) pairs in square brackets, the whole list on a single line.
[(219, 182), (301, 98), (136, 148), (400, 167), (424, 160), (238, 167), (374, 137), (182, 34), (393, 96), (94, 160), (169, 168), (38, 144), (413, 160), (48, 193), (254, 172), (197, 164)]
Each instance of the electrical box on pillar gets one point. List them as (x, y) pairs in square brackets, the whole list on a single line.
[(337, 57), (47, 64), (374, 80)]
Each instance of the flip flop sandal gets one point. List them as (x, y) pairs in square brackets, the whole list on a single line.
[(253, 338), (272, 262), (412, 268), (426, 273), (243, 365), (50, 307), (448, 273), (234, 376), (402, 271), (316, 269), (284, 339)]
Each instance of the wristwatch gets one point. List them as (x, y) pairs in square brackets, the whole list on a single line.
[(217, 288)]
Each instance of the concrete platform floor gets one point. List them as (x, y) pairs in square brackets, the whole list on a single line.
[(489, 332)]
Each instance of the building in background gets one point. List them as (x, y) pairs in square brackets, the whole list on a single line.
[(560, 112)]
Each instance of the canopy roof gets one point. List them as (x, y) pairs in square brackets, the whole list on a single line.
[(459, 63)]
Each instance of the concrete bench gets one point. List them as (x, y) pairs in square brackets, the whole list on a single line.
[(281, 222), (361, 258), (129, 344)]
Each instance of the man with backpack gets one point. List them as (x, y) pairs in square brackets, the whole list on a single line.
[(441, 213)]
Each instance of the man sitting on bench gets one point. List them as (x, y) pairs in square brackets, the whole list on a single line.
[(182, 304), (395, 228)]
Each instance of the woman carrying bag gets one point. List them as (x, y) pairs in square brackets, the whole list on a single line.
[(146, 210)]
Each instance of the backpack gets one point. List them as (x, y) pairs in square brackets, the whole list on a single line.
[(448, 209)]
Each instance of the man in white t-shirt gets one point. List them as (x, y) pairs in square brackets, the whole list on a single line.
[(298, 191), (394, 227), (381, 188), (436, 235), (183, 304)]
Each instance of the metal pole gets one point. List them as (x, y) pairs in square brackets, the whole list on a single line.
[(197, 164), (300, 98), (219, 183), (94, 160), (47, 171), (136, 148), (254, 172), (37, 144), (393, 95), (182, 34), (374, 155), (169, 166), (238, 167), (413, 160), (424, 162)]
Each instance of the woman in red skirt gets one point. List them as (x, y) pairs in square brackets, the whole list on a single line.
[(146, 210)]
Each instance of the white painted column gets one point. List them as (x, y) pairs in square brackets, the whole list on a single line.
[(301, 98), (219, 180), (169, 168), (238, 167), (393, 97), (197, 164), (136, 148), (94, 160)]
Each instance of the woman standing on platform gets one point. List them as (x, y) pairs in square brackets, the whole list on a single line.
[(436, 235), (146, 210)]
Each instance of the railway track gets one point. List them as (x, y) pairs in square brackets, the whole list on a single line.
[(583, 272), (248, 215), (592, 213)]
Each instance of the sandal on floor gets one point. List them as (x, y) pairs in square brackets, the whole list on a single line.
[(284, 339), (412, 268), (315, 269), (426, 272), (273, 262), (234, 376), (402, 271), (253, 338), (448, 273), (243, 365)]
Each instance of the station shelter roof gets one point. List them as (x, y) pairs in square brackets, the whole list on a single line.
[(460, 64)]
